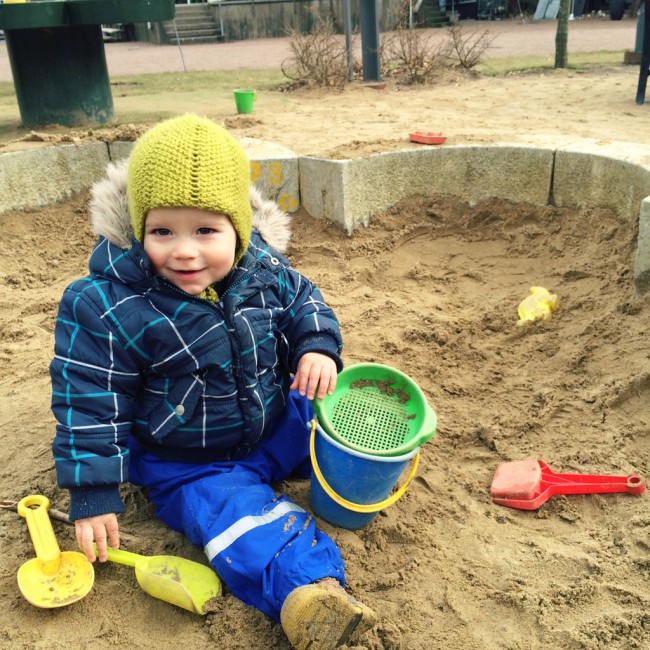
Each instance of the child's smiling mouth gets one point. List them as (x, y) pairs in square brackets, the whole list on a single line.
[(186, 274)]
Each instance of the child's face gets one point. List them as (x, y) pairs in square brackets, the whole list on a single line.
[(192, 248)]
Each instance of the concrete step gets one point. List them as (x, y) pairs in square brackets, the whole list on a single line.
[(191, 20), (197, 8), (193, 40), (204, 15), (195, 33), (194, 24), (192, 15), (191, 26)]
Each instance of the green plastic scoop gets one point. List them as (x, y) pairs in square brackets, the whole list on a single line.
[(175, 580)]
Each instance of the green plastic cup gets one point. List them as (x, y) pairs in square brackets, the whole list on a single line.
[(244, 100)]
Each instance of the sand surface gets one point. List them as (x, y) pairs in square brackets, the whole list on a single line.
[(432, 288)]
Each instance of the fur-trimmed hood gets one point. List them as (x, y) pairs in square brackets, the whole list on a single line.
[(110, 212)]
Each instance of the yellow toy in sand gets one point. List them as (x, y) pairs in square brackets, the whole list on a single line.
[(539, 305)]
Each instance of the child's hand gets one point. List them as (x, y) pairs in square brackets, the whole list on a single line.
[(97, 529), (315, 370)]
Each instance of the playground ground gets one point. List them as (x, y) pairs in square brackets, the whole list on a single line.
[(431, 287)]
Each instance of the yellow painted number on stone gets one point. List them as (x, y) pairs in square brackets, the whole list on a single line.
[(275, 173), (256, 172), (287, 202)]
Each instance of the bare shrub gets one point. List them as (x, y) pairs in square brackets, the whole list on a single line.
[(319, 57), (412, 56), (409, 55), (466, 49)]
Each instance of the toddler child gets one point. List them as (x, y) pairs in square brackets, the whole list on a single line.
[(185, 363)]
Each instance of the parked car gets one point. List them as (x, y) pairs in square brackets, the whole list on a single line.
[(113, 32)]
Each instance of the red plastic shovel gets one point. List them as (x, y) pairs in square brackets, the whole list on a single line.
[(527, 484)]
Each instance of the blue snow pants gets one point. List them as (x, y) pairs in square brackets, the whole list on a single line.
[(260, 544)]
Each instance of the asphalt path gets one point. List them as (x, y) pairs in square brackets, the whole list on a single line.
[(514, 37)]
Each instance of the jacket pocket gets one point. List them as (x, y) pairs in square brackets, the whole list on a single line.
[(177, 406)]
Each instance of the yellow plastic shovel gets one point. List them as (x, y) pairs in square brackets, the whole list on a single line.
[(178, 581), (52, 578)]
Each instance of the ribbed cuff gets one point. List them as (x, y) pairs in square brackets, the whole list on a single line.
[(95, 500), (322, 343)]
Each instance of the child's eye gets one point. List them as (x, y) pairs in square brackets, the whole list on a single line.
[(206, 231), (162, 232)]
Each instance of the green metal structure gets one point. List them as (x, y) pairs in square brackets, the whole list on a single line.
[(57, 57)]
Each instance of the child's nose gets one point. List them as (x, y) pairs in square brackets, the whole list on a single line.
[(185, 248)]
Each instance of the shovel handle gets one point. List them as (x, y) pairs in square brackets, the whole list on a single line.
[(34, 509), (578, 484), (557, 483), (122, 557)]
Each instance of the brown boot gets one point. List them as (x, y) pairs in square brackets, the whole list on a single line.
[(322, 616)]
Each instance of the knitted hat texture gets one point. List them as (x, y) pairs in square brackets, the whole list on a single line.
[(190, 161)]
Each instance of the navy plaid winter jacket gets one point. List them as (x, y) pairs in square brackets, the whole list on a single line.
[(192, 380)]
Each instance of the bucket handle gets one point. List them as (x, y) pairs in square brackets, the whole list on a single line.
[(349, 505)]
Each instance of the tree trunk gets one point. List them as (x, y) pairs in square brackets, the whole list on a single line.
[(562, 34)]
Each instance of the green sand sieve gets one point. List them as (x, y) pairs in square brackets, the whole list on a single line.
[(377, 410)]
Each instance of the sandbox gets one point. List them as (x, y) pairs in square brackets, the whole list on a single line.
[(349, 192)]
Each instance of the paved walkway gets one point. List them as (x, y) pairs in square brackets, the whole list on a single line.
[(510, 38)]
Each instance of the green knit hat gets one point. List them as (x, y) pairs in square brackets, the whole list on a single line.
[(190, 161)]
